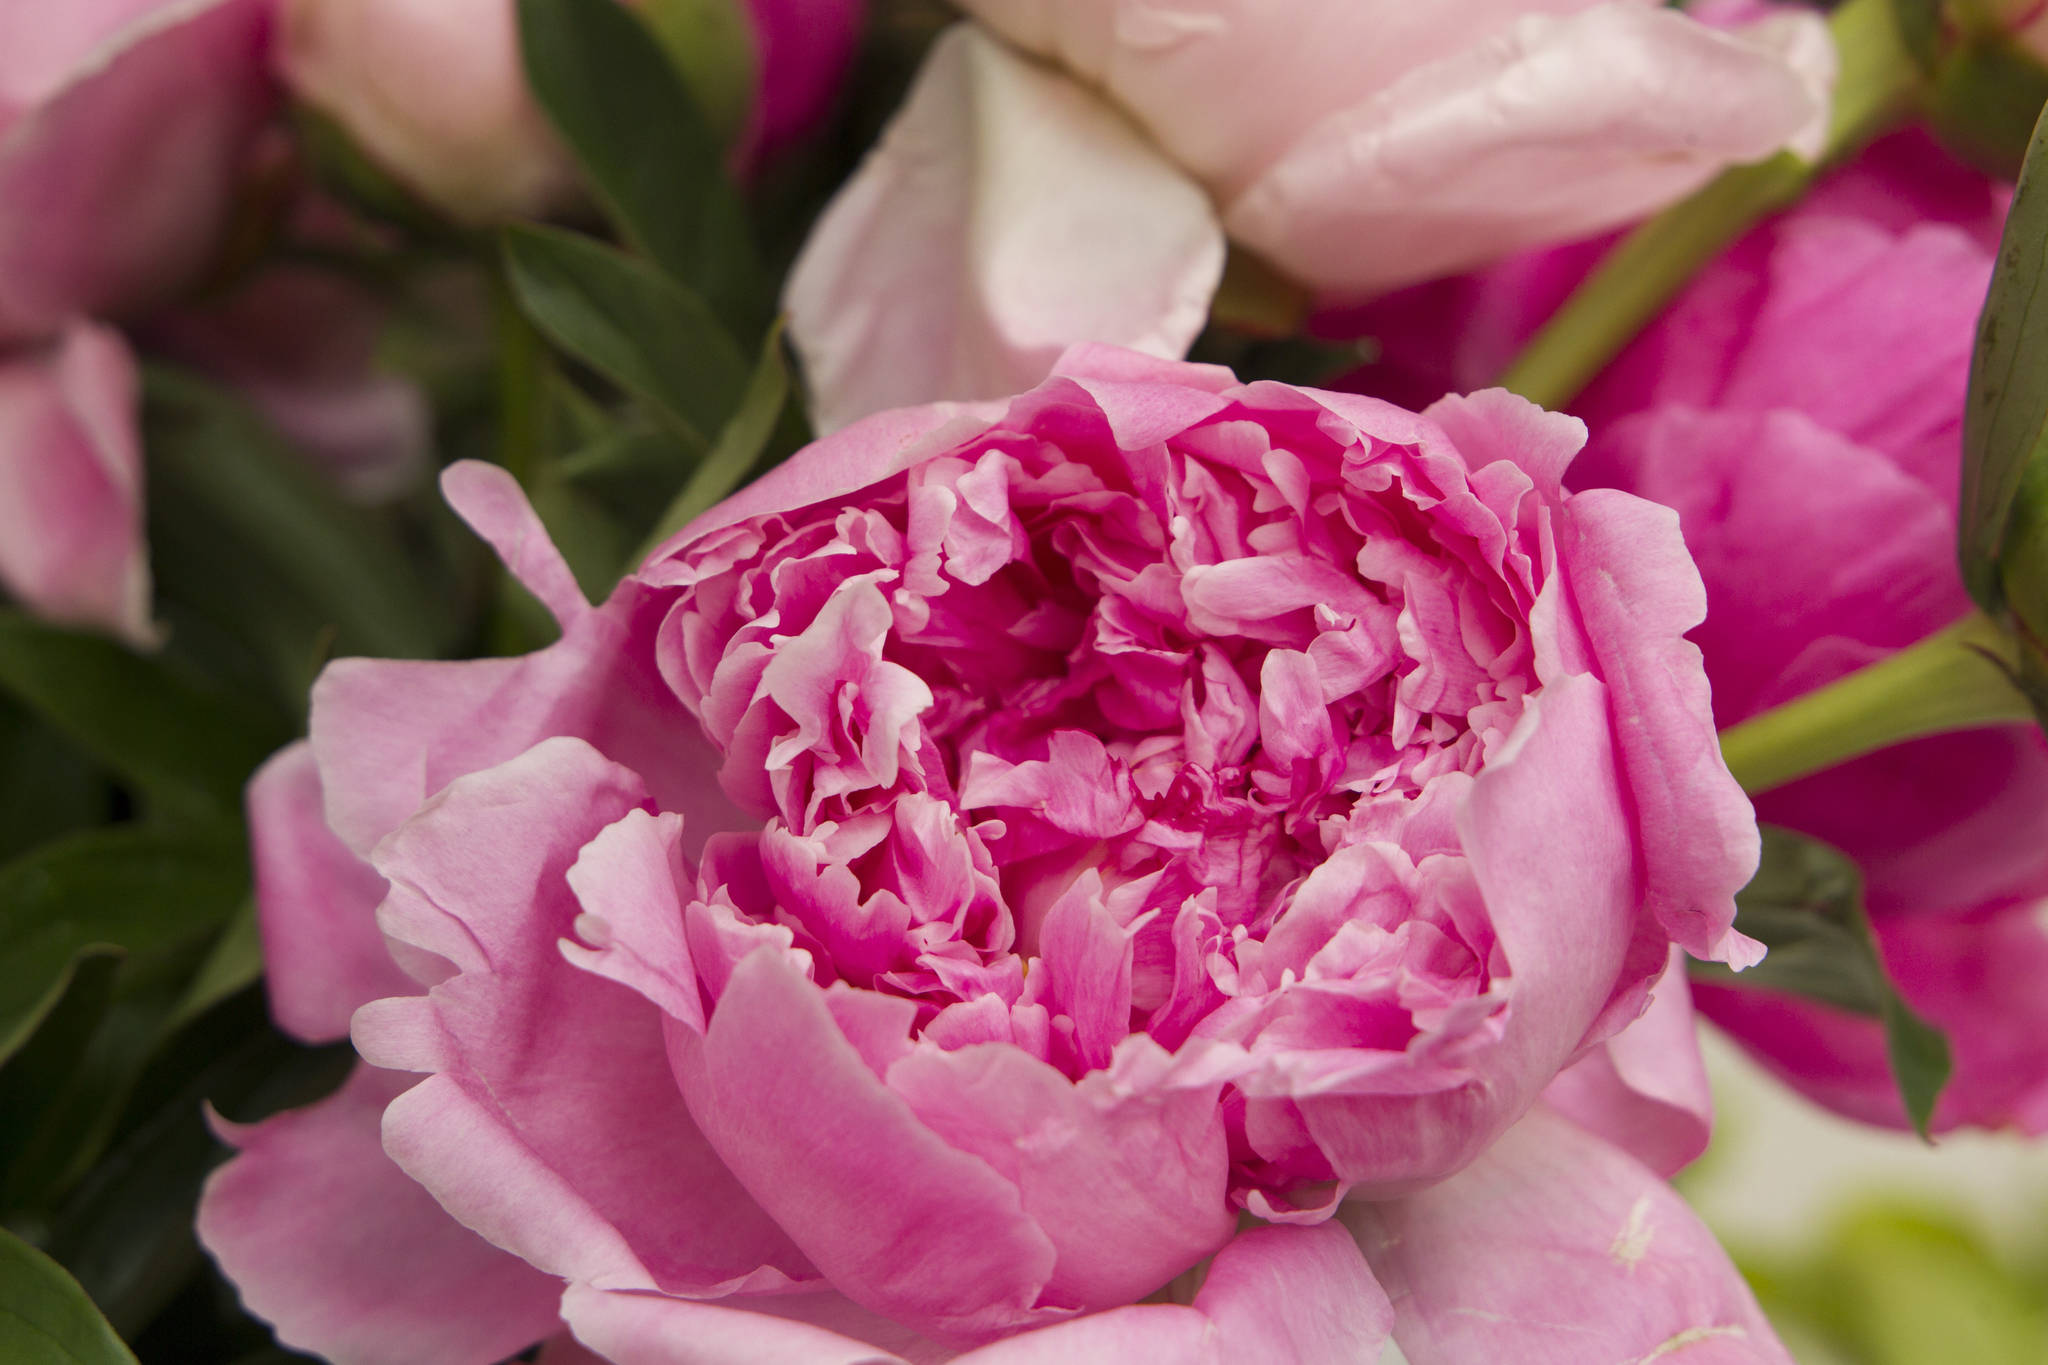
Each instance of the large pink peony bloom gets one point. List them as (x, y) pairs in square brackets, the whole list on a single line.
[(1820, 507), (1016, 206), (928, 905), (435, 91), (123, 124)]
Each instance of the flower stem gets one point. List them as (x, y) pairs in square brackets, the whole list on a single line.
[(1960, 678), (1642, 274)]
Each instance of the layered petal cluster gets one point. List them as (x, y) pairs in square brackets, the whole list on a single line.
[(436, 92), (1066, 171), (946, 889)]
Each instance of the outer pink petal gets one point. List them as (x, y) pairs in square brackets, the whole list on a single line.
[(1288, 63), (1557, 129), (114, 187), (347, 1257), (390, 734), (815, 1329), (1125, 1172), (1156, 1333), (1645, 1089), (316, 906), (1006, 213), (71, 537), (1564, 927), (1638, 593), (1556, 1249), (896, 1219), (554, 1127), (1295, 1296)]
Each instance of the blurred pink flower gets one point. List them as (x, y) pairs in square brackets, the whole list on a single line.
[(1017, 206), (435, 91), (123, 127), (71, 483), (1801, 406), (927, 902)]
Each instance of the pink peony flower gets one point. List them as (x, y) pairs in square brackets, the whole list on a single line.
[(930, 904), (1016, 206), (1749, 408), (71, 483), (123, 124), (1820, 506), (435, 91)]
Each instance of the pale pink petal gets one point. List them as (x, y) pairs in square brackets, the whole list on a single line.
[(1556, 1249), (316, 906), (347, 1257), (1007, 212), (1156, 1333), (554, 1127), (815, 1329), (116, 184), (71, 532), (1556, 129), (1645, 1089), (435, 94), (1287, 64), (895, 1218)]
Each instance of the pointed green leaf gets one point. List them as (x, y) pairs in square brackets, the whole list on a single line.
[(125, 889), (184, 748), (1805, 905), (651, 336), (45, 1318), (2005, 426), (646, 147), (739, 445)]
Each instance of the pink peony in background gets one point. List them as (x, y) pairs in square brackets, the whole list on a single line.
[(435, 92), (947, 887), (1065, 172)]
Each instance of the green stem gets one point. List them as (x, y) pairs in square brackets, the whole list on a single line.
[(522, 388), (1642, 274), (1958, 679)]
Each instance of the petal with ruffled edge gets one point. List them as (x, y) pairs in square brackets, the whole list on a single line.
[(346, 1256), (553, 1126), (316, 906), (1007, 212), (1288, 63), (1645, 1089), (1557, 1249), (1553, 130)]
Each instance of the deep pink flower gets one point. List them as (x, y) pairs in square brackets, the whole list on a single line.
[(946, 885), (123, 125), (1801, 406)]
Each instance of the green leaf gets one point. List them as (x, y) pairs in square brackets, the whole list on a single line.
[(126, 889), (711, 43), (34, 1079), (233, 963), (645, 146), (245, 528), (45, 1318), (1805, 905), (47, 787), (739, 446), (181, 747), (2005, 426), (651, 336)]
